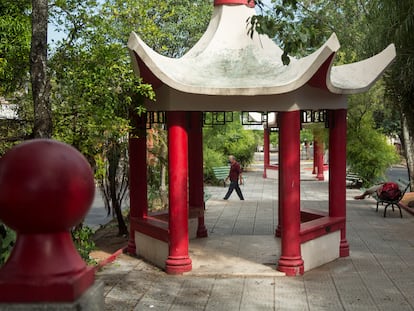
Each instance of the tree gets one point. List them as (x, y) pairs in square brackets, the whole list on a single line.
[(300, 26), (392, 21), (14, 45), (42, 127), (94, 88), (15, 29), (368, 152)]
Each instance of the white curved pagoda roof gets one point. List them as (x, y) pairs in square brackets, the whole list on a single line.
[(226, 61)]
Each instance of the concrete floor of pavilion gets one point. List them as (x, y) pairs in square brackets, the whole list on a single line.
[(241, 233)]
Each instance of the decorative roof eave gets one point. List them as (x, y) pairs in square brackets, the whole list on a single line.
[(149, 65), (359, 77), (226, 61)]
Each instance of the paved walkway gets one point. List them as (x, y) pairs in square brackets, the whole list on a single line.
[(234, 268)]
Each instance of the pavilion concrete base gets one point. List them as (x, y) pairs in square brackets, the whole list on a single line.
[(152, 250), (315, 252), (91, 300), (192, 228), (321, 250)]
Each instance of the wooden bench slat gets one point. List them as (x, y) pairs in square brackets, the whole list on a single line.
[(221, 173)]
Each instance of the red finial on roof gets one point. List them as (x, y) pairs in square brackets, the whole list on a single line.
[(249, 3)]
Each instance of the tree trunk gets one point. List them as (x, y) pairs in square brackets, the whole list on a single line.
[(122, 228), (407, 125), (38, 70), (114, 157)]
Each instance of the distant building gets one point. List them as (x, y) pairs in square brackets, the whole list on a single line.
[(7, 110)]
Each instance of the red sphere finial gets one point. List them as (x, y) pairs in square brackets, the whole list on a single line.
[(46, 188)]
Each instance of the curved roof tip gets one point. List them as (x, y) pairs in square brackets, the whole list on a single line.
[(359, 77)]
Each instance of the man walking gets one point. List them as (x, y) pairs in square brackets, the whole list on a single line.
[(235, 174)]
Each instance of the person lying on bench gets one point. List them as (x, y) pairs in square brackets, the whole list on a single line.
[(386, 191)]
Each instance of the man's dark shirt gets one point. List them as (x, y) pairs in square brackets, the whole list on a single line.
[(235, 171)]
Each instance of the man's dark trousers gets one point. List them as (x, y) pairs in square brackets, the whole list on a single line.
[(234, 185)]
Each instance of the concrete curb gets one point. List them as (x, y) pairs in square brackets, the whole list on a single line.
[(110, 259)]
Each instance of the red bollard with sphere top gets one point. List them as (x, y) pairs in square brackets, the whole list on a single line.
[(46, 188)]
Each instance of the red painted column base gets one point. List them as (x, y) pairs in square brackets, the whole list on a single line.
[(201, 229), (320, 176), (132, 247), (344, 248), (56, 274), (291, 266), (178, 265)]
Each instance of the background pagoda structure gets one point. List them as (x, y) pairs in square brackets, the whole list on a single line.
[(227, 70)]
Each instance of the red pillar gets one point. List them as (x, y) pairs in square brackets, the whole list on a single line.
[(178, 260), (138, 200), (315, 153), (195, 174), (266, 150), (278, 232), (319, 160), (290, 260), (337, 171)]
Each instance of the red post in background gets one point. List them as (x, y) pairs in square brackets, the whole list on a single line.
[(195, 174), (138, 197), (319, 160), (337, 171), (266, 150), (290, 260), (315, 151), (178, 259), (278, 231)]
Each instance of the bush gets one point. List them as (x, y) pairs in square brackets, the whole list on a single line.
[(82, 238), (368, 153), (7, 241), (220, 141), (212, 158)]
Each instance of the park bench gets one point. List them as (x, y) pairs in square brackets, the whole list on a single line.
[(403, 185), (221, 173), (353, 179)]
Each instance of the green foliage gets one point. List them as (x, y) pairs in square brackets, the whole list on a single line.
[(368, 153), (220, 141), (7, 241), (363, 28), (258, 137), (299, 27), (82, 238), (15, 30), (212, 158), (306, 135), (393, 22), (157, 168)]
